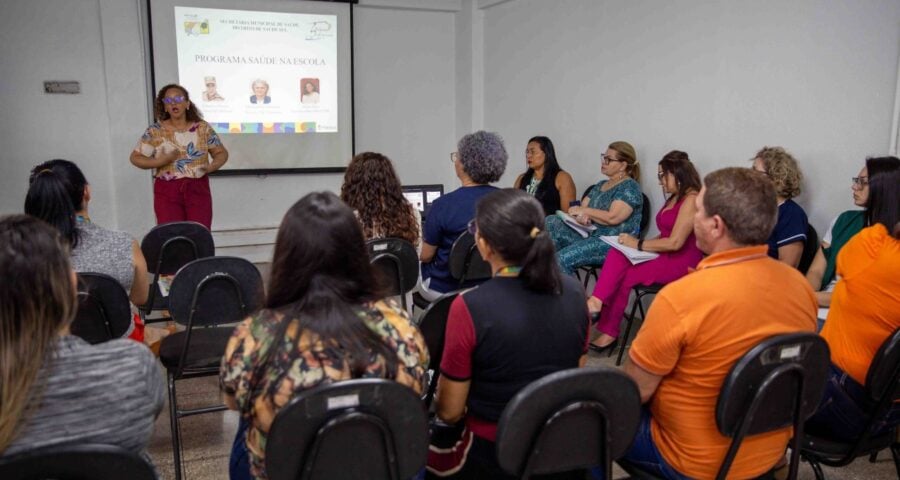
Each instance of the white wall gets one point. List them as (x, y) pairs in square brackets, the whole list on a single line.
[(716, 79), (405, 77)]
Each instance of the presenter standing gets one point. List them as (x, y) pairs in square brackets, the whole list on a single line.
[(178, 147)]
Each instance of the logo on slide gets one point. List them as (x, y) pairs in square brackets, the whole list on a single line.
[(319, 30), (196, 27)]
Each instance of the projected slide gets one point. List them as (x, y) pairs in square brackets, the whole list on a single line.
[(260, 72)]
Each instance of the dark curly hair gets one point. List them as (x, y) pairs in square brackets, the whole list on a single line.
[(371, 187), (192, 114)]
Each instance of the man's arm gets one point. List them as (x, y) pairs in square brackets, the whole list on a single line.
[(647, 382)]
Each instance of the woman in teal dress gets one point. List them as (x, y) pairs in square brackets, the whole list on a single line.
[(613, 206)]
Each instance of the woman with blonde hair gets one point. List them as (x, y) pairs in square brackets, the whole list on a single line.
[(371, 188), (789, 236), (55, 388), (613, 206)]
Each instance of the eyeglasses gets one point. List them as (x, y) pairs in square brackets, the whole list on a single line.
[(531, 152), (210, 84), (861, 182), (471, 227), (606, 159), (454, 156), (171, 100)]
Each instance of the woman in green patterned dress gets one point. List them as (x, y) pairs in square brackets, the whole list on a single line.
[(613, 206)]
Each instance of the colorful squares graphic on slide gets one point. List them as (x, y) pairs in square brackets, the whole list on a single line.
[(250, 127)]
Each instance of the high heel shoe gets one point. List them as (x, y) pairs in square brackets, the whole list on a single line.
[(606, 348)]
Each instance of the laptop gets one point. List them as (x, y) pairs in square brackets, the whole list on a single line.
[(422, 196)]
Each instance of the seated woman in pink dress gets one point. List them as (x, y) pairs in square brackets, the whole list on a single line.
[(675, 244)]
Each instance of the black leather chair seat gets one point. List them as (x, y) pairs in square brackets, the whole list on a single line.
[(206, 350), (827, 447)]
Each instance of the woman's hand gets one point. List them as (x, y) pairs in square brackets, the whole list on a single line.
[(627, 240), (165, 156), (575, 211)]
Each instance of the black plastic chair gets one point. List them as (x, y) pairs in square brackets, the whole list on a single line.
[(810, 247), (359, 429), (639, 291), (569, 420), (882, 389), (398, 262), (76, 462), (167, 248), (466, 264), (104, 312), (433, 325), (591, 270), (775, 385), (205, 294)]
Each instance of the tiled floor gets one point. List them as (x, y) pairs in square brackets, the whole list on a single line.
[(206, 439)]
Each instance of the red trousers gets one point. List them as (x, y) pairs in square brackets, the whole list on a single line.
[(184, 199)]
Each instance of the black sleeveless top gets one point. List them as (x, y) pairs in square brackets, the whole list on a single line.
[(546, 193)]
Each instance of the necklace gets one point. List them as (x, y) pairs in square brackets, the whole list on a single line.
[(532, 186)]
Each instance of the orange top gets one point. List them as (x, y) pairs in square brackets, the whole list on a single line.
[(696, 329), (865, 305)]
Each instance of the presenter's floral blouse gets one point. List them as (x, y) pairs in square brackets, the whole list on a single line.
[(193, 147), (262, 387)]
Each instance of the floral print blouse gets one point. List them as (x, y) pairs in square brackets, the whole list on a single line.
[(193, 147), (261, 388)]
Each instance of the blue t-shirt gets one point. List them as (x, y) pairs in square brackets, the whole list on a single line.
[(449, 216), (790, 227)]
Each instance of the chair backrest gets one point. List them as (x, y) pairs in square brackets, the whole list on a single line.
[(76, 462), (360, 429), (170, 246), (466, 263), (577, 418), (809, 249), (883, 377), (104, 312), (215, 290), (398, 261), (787, 374), (433, 325), (645, 215)]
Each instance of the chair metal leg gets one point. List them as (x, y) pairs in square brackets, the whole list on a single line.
[(895, 452), (176, 431), (817, 469), (629, 321)]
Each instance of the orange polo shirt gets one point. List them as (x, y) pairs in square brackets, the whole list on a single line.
[(696, 329), (865, 305)]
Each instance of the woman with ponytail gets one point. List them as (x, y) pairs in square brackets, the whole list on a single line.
[(58, 193), (322, 322), (537, 323), (55, 388)]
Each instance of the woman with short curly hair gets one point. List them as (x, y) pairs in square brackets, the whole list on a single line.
[(789, 236), (480, 159), (371, 188)]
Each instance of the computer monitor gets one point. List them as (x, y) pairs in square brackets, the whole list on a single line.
[(422, 196)]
